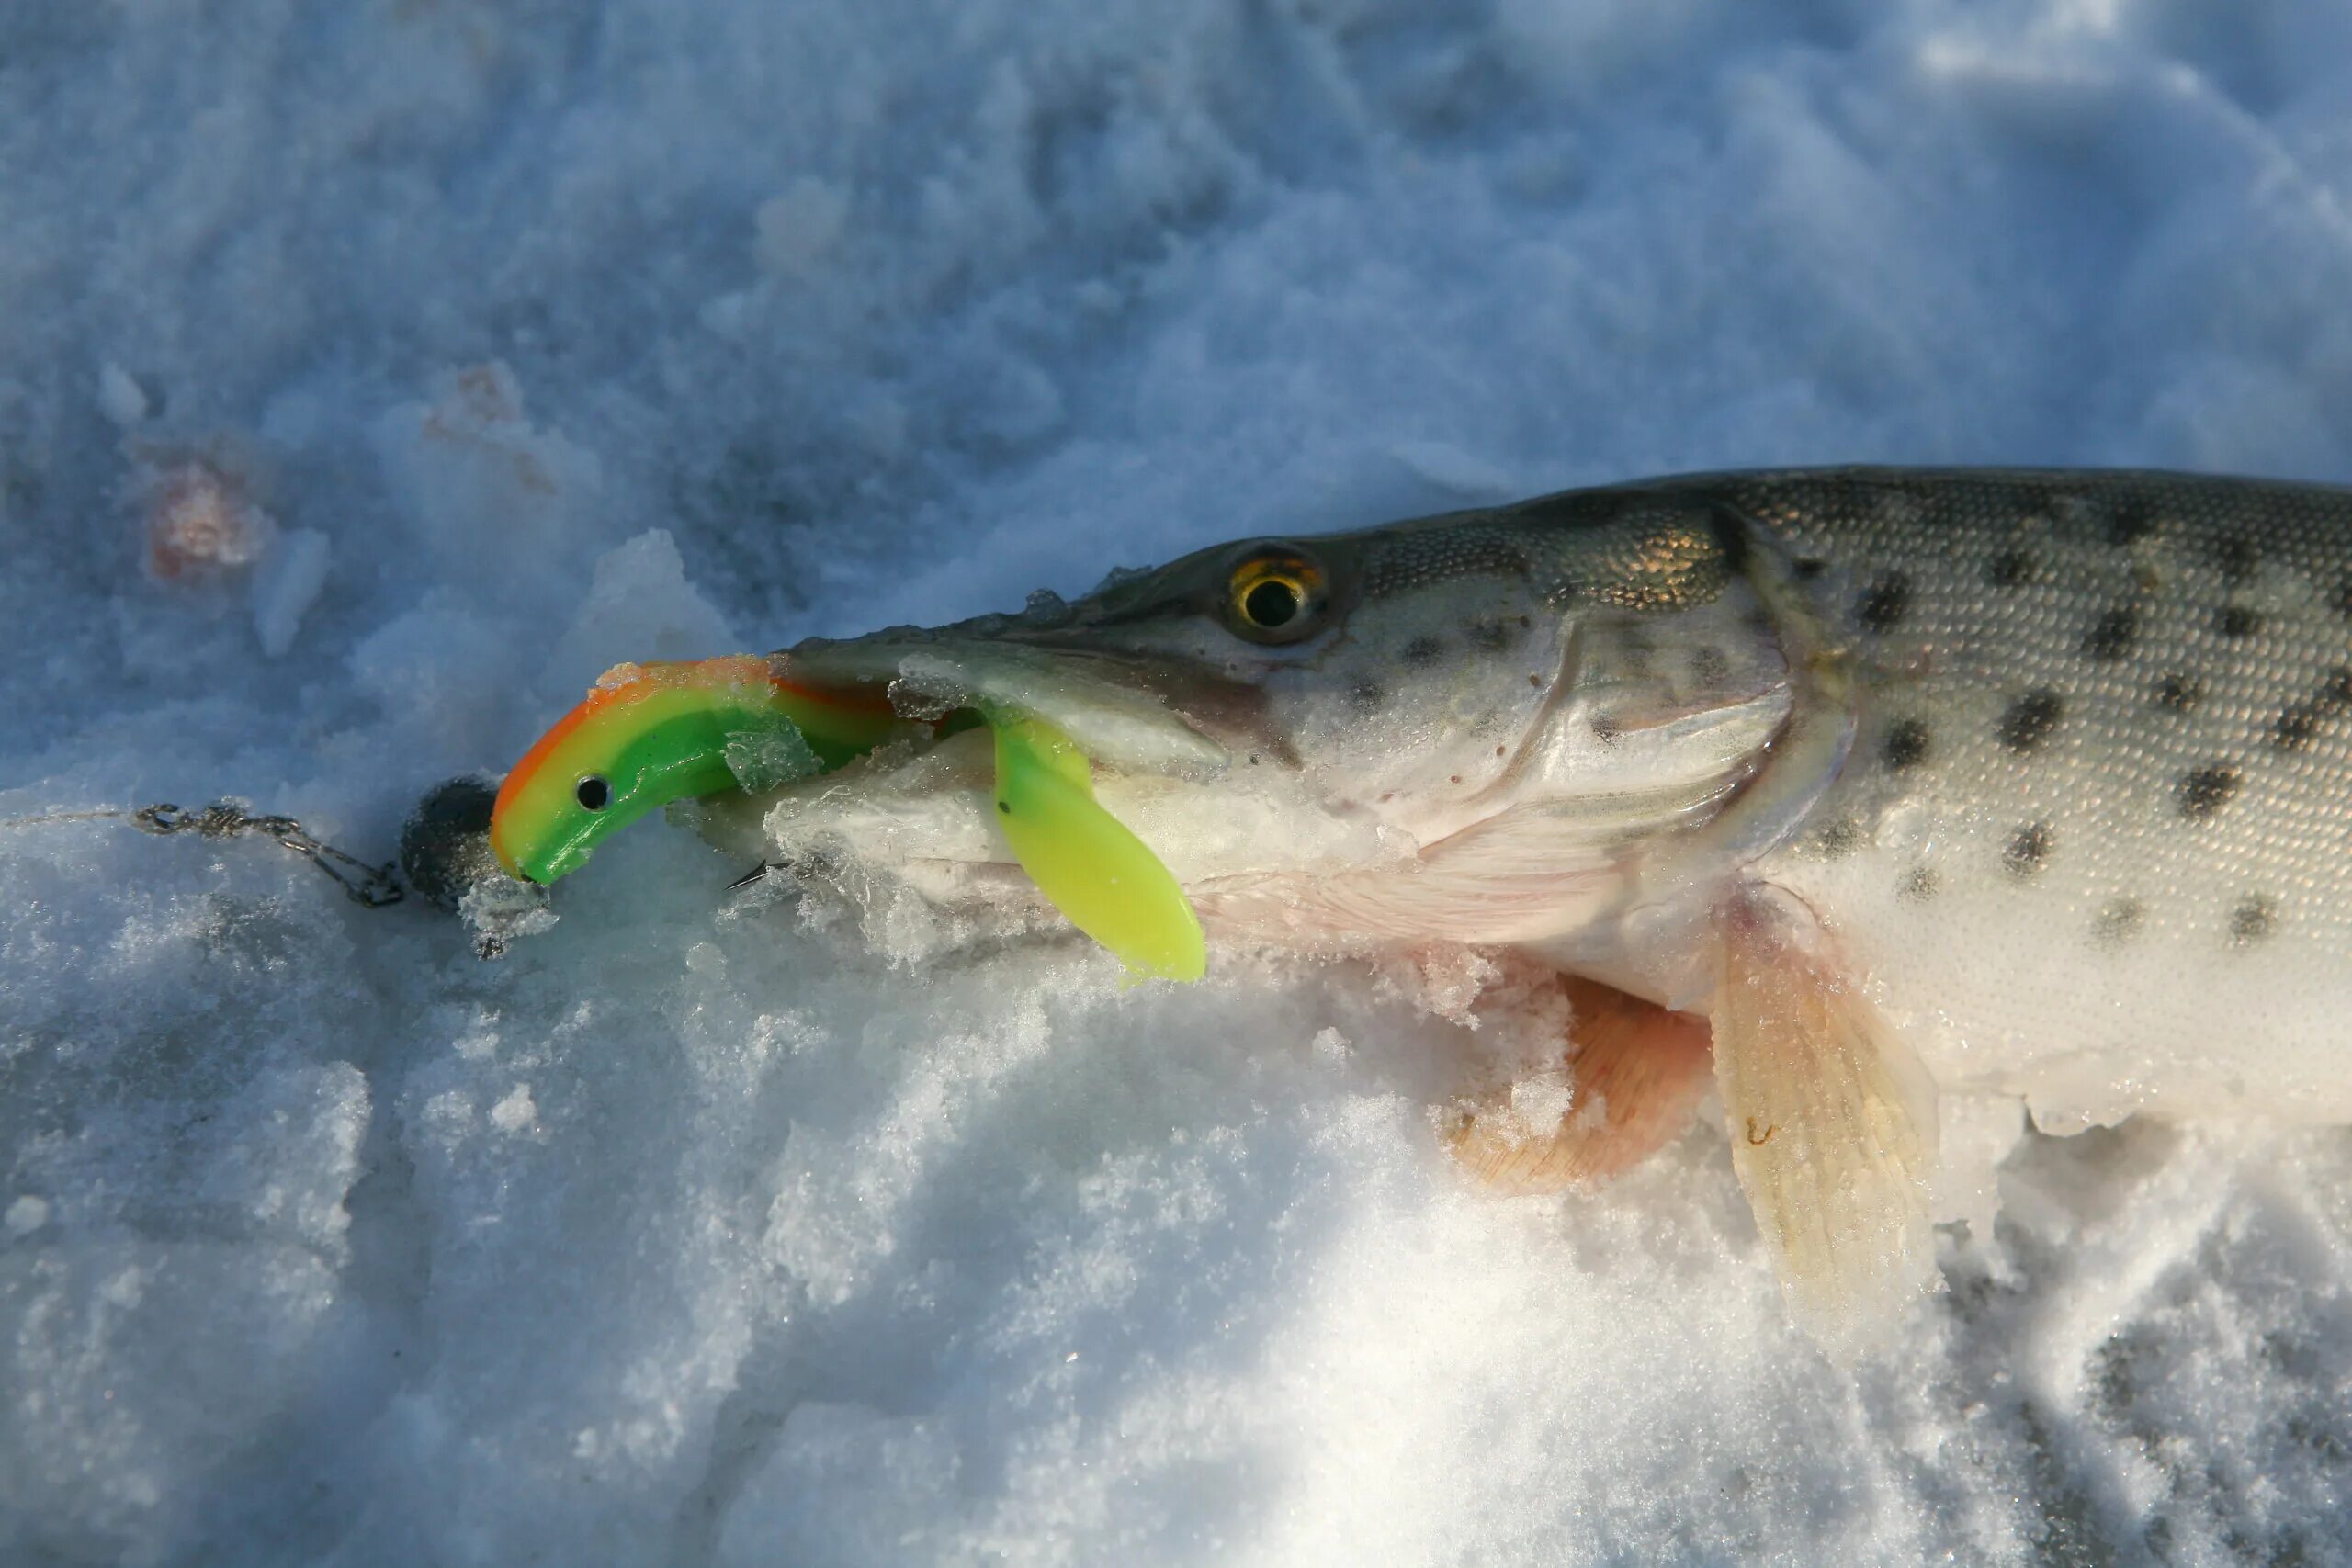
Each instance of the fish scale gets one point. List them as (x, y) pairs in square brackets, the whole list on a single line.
[(2132, 902)]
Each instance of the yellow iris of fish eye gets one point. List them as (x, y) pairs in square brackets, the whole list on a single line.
[(1274, 596)]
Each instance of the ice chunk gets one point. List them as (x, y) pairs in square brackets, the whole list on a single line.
[(493, 496), (287, 586), (516, 1111), (501, 911), (764, 758), (120, 398), (640, 608)]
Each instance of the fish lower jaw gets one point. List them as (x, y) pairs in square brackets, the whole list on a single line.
[(1333, 911), (939, 812), (1257, 869)]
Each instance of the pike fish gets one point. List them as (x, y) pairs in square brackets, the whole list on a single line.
[(1845, 791)]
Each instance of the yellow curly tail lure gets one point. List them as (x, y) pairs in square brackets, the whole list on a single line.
[(648, 734), (1104, 879)]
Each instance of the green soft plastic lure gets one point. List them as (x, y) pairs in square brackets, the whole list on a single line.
[(648, 734)]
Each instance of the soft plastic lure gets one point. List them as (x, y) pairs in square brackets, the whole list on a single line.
[(1104, 879), (648, 734)]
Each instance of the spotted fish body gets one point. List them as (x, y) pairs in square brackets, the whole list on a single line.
[(1921, 788), (2092, 843)]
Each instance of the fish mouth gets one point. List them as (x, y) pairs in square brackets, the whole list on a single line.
[(1170, 742), (1126, 714)]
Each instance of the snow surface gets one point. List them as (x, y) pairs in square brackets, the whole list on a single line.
[(526, 337)]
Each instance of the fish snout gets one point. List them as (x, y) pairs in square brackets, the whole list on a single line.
[(1123, 712)]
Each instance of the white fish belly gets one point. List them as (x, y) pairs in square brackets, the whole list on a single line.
[(2051, 1004)]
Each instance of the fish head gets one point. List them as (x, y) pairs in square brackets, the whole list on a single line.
[(1306, 667), (1328, 705)]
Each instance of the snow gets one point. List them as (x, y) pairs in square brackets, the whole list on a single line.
[(286, 585), (724, 1231)]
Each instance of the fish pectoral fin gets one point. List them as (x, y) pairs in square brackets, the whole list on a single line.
[(1832, 1123), (1636, 1074)]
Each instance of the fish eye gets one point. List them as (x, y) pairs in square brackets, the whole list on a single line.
[(1275, 597), (593, 793), (1272, 603)]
